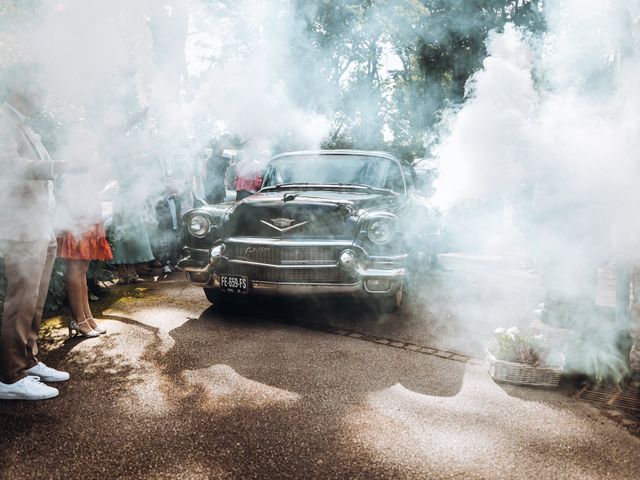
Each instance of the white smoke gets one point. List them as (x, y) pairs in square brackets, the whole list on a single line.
[(248, 88), (564, 108), (556, 116), (198, 69), (487, 147), (94, 55)]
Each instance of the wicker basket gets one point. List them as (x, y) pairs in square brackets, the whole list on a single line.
[(521, 373)]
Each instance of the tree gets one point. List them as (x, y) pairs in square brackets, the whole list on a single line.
[(438, 43)]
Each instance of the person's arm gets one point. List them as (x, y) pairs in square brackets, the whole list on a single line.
[(12, 163), (65, 166)]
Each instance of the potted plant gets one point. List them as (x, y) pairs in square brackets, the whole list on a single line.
[(521, 359)]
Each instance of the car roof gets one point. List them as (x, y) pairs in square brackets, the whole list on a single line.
[(368, 153)]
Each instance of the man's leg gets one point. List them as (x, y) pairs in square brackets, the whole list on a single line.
[(25, 265), (634, 322), (43, 289), (173, 248), (163, 255)]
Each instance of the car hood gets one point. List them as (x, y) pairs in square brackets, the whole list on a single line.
[(299, 214)]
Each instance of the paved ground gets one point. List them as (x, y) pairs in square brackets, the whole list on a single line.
[(181, 390)]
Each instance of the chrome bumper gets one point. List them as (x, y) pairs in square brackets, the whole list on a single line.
[(202, 272), (295, 289), (258, 287), (191, 265)]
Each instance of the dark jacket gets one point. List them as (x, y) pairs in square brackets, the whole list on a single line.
[(214, 185), (163, 214)]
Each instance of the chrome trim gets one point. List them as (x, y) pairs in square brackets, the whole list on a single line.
[(205, 266), (289, 243), (394, 286), (339, 151), (286, 266), (389, 258), (286, 229), (198, 284), (380, 273), (260, 287), (386, 262), (273, 288), (202, 251), (190, 265), (386, 265)]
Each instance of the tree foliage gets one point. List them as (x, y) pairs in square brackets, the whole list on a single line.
[(397, 64)]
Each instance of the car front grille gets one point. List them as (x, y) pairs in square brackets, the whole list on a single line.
[(274, 260), (289, 255), (308, 255), (292, 275)]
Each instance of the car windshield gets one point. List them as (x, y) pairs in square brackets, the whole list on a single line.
[(372, 171)]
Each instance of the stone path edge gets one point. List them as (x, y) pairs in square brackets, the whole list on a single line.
[(409, 347)]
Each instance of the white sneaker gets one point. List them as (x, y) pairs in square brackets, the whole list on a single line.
[(28, 388), (48, 374), (166, 269)]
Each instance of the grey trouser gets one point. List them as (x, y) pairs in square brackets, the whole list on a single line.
[(634, 320), (28, 267)]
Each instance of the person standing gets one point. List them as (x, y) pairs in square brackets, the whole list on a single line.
[(168, 214), (134, 162), (248, 178), (26, 237), (81, 238), (216, 169)]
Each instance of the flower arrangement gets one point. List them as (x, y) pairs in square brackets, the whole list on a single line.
[(512, 346), (521, 359)]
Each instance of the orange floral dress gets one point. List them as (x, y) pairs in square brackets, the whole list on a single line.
[(91, 245)]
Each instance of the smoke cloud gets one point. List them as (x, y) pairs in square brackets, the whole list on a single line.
[(140, 88), (549, 131)]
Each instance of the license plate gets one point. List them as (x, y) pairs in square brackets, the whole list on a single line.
[(234, 283)]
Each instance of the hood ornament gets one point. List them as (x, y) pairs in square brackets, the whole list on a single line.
[(283, 224)]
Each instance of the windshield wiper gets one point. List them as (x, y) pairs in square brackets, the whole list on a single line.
[(362, 186), (367, 187), (287, 185)]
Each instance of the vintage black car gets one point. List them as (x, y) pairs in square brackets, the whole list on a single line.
[(331, 222)]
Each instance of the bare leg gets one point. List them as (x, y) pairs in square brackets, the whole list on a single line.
[(84, 267), (85, 301), (75, 277)]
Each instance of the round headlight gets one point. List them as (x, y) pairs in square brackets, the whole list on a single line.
[(381, 231), (199, 226)]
